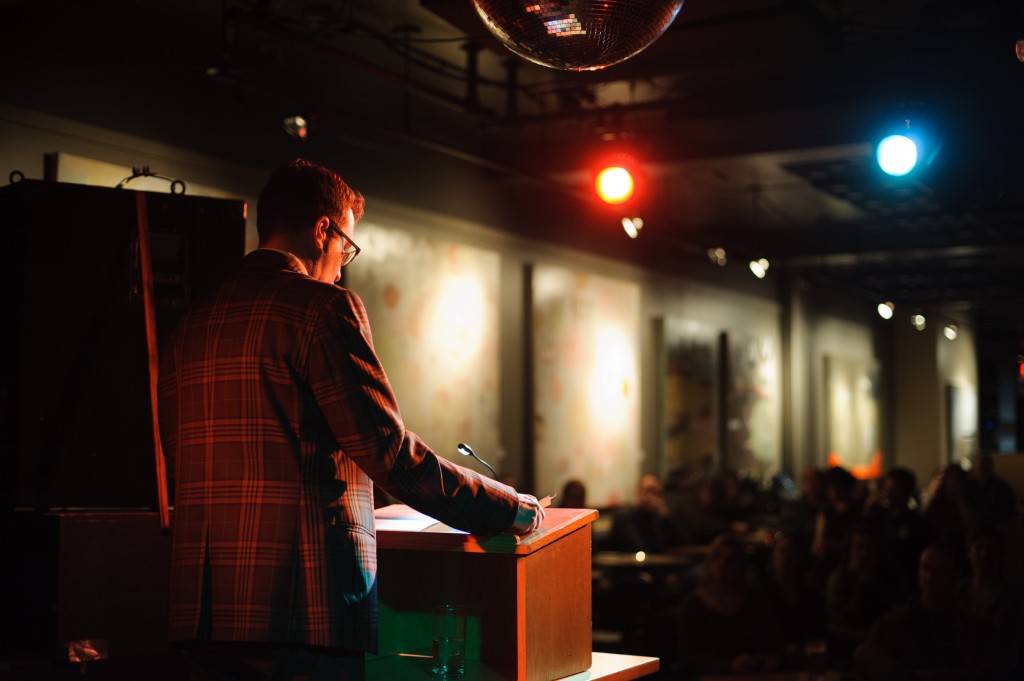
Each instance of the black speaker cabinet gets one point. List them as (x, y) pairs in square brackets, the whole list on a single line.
[(74, 390), (100, 577)]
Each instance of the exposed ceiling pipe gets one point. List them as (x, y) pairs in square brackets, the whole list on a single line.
[(472, 50), (306, 43), (511, 87)]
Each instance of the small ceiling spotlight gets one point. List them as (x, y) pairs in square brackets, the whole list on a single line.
[(632, 226), (951, 331), (297, 126), (886, 309), (759, 267), (717, 256), (918, 322)]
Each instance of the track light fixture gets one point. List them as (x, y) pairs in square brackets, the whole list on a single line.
[(759, 267), (297, 127), (632, 226)]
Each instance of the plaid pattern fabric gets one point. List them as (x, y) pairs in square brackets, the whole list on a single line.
[(276, 416)]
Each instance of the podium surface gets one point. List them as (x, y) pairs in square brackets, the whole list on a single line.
[(528, 599), (605, 667)]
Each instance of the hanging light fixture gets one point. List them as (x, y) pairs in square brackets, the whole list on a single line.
[(886, 309)]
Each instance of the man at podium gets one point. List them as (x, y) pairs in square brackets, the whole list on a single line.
[(278, 418)]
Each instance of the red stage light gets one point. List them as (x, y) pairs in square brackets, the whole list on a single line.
[(614, 185)]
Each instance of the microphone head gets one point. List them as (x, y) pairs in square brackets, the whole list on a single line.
[(466, 450)]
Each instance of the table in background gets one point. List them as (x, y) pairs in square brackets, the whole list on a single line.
[(830, 675), (640, 559)]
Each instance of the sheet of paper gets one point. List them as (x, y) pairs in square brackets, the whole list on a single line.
[(399, 517), (402, 518), (404, 524), (399, 512)]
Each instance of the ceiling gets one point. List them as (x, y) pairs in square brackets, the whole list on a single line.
[(754, 119)]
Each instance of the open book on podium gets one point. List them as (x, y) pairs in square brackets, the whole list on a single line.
[(527, 599)]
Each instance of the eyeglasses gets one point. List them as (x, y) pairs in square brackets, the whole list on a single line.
[(351, 249)]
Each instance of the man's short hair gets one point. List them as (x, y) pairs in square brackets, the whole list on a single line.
[(298, 193)]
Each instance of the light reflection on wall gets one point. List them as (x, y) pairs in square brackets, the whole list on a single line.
[(610, 381), (852, 415), (586, 397), (433, 308), (457, 320)]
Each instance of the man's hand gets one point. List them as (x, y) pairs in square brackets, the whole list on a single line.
[(528, 516)]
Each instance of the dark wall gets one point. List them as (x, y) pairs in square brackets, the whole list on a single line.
[(75, 386)]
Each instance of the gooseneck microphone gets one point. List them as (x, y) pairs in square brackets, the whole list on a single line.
[(466, 450)]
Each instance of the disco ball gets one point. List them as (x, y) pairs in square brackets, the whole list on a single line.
[(577, 35)]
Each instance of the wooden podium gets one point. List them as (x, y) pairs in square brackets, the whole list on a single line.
[(527, 598)]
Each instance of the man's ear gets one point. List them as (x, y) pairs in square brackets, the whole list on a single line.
[(321, 232)]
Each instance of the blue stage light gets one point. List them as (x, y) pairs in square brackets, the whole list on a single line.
[(897, 155)]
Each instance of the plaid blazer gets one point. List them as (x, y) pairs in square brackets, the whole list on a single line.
[(277, 417)]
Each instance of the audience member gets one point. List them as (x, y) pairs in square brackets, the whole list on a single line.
[(948, 511), (875, 555), (799, 515), (737, 501), (857, 593), (646, 525), (681, 491), (903, 531), (832, 525), (635, 599), (993, 611), (796, 608), (1012, 534), (574, 494), (724, 627), (923, 635), (992, 500), (709, 515), (932, 488), (937, 636)]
